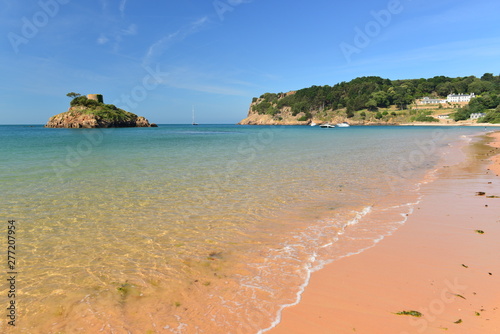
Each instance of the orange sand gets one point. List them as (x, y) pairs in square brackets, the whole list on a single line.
[(436, 264)]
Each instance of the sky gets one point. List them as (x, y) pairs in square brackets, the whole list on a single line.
[(160, 59)]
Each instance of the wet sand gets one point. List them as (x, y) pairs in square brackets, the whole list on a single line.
[(495, 166), (439, 263)]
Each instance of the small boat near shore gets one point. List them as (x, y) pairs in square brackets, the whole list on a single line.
[(313, 124), (343, 125), (327, 125)]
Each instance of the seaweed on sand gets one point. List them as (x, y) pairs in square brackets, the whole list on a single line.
[(411, 313)]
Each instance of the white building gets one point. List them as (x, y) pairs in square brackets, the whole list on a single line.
[(477, 115), (455, 98), (428, 100)]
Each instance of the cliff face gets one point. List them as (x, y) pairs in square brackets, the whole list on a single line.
[(81, 117), (274, 109), (273, 115), (283, 117), (256, 119)]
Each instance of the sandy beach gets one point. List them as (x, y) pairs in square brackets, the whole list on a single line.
[(495, 166), (443, 263)]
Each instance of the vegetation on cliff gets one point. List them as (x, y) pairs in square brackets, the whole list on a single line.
[(377, 99)]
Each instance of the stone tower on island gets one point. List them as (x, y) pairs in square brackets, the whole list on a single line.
[(96, 97)]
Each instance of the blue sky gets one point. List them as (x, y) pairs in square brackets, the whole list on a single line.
[(160, 58)]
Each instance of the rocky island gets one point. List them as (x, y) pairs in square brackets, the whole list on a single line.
[(91, 112)]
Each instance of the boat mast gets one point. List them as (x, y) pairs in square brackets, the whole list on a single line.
[(194, 123)]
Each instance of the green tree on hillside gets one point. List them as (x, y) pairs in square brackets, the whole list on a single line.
[(381, 99), (445, 88), (372, 105), (401, 96), (73, 95), (488, 77), (480, 86)]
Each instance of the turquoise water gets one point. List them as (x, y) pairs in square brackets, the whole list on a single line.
[(161, 229)]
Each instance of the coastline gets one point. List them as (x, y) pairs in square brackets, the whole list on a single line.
[(449, 124), (436, 264), (269, 121)]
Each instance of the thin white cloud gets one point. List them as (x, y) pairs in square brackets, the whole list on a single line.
[(117, 36), (102, 40), (469, 53), (478, 12), (434, 21), (185, 77), (238, 2), (117, 28), (130, 31), (104, 4), (476, 49), (213, 89), (158, 47), (121, 8)]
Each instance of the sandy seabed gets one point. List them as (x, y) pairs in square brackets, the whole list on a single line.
[(443, 263)]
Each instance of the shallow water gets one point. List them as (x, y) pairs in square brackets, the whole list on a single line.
[(163, 229)]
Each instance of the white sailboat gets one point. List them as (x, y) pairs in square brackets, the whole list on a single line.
[(194, 123)]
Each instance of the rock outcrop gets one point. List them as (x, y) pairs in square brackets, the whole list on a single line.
[(256, 119), (285, 116), (78, 119), (93, 113)]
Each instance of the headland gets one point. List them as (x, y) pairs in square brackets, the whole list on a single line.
[(377, 101)]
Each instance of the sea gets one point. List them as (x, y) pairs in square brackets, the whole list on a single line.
[(194, 229)]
